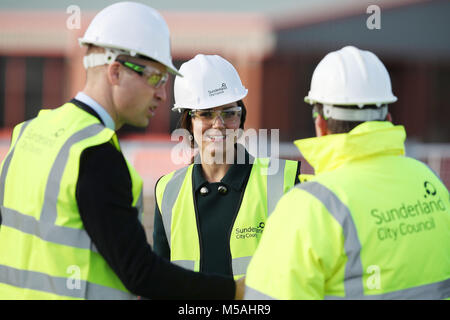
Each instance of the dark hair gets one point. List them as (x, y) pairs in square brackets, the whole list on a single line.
[(341, 126), (186, 123)]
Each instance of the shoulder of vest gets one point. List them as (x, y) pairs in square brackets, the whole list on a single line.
[(261, 161), (266, 161), (82, 120), (16, 131), (162, 183), (163, 180)]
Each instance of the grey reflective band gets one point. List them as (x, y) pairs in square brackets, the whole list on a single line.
[(187, 264), (239, 265), (170, 195), (77, 238), (275, 185), (353, 278), (49, 212), (59, 285), (7, 162), (252, 294), (433, 291), (353, 268)]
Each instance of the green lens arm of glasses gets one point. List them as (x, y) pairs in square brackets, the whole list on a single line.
[(134, 67)]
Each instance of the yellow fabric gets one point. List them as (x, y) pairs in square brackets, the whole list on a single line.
[(184, 241), (25, 191), (399, 208), (328, 152)]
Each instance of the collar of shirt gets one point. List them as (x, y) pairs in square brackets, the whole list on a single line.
[(236, 176), (103, 114)]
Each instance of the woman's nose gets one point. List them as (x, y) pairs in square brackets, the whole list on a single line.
[(218, 121)]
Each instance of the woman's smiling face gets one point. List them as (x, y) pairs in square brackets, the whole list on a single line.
[(215, 129)]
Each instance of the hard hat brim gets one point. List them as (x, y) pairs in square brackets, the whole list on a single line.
[(170, 67), (181, 108), (387, 100)]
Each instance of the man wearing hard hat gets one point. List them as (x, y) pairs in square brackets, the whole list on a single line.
[(372, 223), (70, 202)]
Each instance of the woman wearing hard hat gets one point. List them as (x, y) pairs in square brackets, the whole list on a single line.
[(210, 215)]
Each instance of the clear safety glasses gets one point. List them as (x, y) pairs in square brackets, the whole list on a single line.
[(227, 115), (154, 77)]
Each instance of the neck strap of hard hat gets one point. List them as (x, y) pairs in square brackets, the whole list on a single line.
[(346, 114)]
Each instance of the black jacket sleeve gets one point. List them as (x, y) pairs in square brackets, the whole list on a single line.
[(160, 242), (297, 179), (104, 199)]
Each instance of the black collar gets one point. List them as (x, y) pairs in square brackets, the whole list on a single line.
[(236, 176), (86, 108)]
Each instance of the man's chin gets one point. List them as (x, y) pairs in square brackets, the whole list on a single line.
[(141, 124)]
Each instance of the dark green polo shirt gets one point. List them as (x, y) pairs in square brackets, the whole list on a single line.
[(215, 213)]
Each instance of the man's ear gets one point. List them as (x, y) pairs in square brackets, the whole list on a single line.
[(321, 126), (113, 73), (389, 117)]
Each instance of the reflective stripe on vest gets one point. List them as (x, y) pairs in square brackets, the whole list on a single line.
[(7, 162), (58, 285), (253, 294), (46, 229), (276, 185), (169, 197), (238, 265), (434, 291), (353, 278)]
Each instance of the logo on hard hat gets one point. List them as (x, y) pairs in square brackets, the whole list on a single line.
[(218, 90)]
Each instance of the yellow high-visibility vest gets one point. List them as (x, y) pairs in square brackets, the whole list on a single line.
[(176, 205), (45, 251), (372, 224)]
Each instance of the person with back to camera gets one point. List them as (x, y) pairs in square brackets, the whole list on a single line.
[(372, 223)]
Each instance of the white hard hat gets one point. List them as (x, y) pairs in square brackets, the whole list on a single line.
[(129, 28), (208, 81), (350, 77)]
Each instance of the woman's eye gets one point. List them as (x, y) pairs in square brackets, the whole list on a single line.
[(228, 114), (206, 114)]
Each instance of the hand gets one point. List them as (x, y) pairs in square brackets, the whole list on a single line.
[(240, 289)]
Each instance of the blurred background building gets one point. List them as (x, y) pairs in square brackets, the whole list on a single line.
[(275, 46)]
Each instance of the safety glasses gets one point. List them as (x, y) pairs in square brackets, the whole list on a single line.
[(227, 115), (316, 113), (155, 78)]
